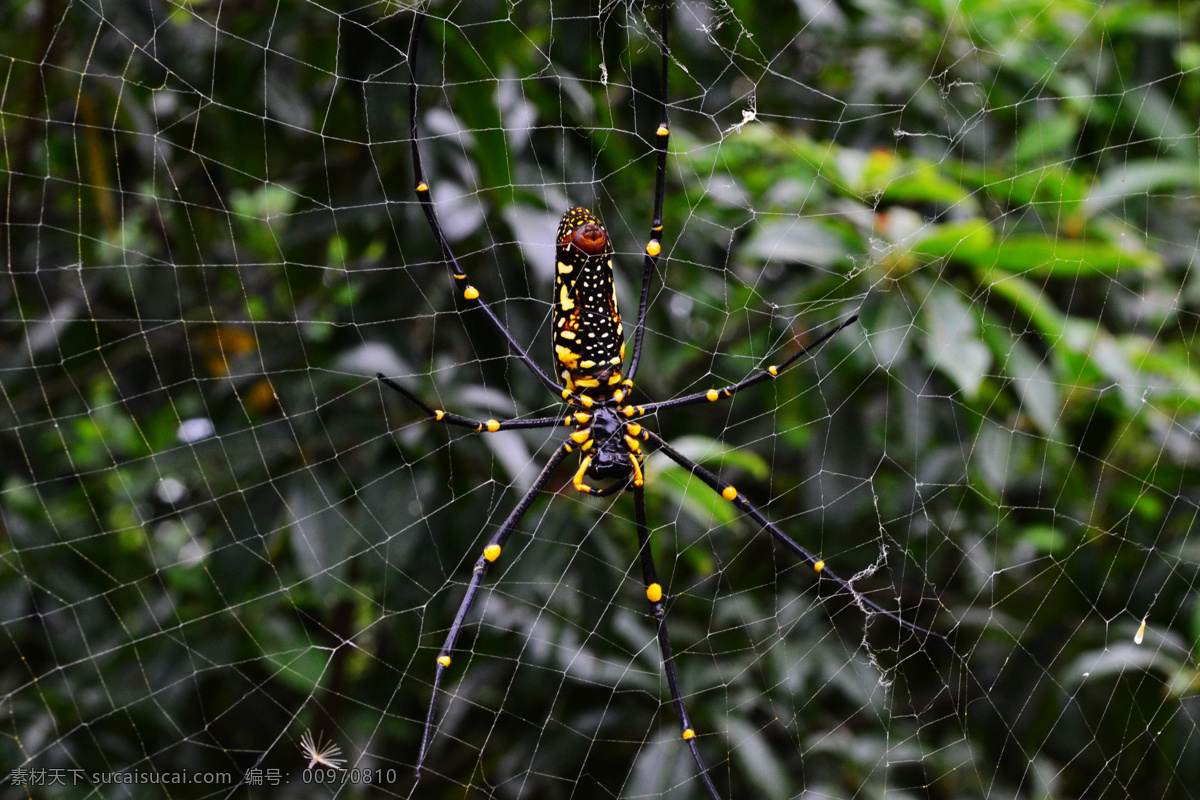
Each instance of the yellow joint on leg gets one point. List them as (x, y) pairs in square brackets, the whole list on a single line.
[(422, 187), (580, 486), (653, 248), (774, 370), (618, 395), (471, 293), (579, 437), (688, 735), (638, 478), (586, 401), (460, 276), (820, 565), (444, 660), (439, 414), (729, 493), (491, 552), (664, 131), (654, 593), (581, 418), (712, 395), (493, 425), (633, 429), (633, 444)]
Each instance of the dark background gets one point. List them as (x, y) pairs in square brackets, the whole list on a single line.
[(218, 532)]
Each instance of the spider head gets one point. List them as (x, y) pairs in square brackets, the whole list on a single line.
[(610, 455)]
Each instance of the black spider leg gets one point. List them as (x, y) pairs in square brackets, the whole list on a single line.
[(489, 426), (712, 395), (654, 247), (730, 493), (490, 554), (470, 293), (654, 593)]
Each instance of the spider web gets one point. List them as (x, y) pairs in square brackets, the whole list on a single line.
[(220, 533)]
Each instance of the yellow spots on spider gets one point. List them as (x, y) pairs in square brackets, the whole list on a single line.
[(493, 425), (653, 248), (688, 735), (654, 593), (587, 364), (729, 493), (568, 335), (712, 395), (817, 567), (444, 660), (471, 293), (564, 268), (564, 299), (491, 552), (566, 356)]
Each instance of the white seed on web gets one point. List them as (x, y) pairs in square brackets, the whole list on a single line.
[(319, 752), (1141, 634), (748, 115)]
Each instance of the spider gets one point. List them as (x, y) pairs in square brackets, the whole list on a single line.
[(589, 356)]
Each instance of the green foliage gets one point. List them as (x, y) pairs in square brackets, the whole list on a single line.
[(217, 531)]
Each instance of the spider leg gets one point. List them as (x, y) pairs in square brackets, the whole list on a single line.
[(712, 395), (469, 292), (731, 494), (490, 554), (654, 246), (654, 593), (490, 425)]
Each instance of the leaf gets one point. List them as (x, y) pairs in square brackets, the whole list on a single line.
[(1025, 254), (1046, 139), (795, 240), (1044, 539), (951, 343), (968, 240), (758, 763), (1140, 178)]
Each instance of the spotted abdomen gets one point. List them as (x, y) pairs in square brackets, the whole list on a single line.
[(589, 344)]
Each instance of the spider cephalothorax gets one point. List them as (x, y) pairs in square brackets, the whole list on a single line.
[(589, 356)]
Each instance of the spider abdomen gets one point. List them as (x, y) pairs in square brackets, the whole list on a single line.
[(589, 342)]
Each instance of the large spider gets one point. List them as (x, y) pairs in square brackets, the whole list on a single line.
[(589, 354)]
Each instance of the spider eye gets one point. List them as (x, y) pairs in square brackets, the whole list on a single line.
[(591, 238)]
